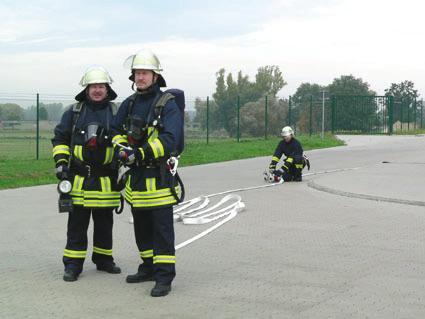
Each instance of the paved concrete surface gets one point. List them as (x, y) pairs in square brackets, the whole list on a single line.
[(296, 252)]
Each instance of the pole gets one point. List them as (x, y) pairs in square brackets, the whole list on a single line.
[(208, 119), (408, 116), (422, 112), (323, 115), (37, 139), (333, 114), (289, 111), (311, 115), (265, 119), (238, 129), (390, 114)]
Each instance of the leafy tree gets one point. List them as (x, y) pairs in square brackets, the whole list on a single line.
[(268, 81), (11, 112), (404, 96), (301, 101), (355, 108), (252, 117), (43, 115)]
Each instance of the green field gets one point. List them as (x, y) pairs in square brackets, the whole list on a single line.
[(18, 166)]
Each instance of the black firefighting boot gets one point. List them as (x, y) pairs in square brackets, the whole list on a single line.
[(160, 290), (298, 178), (109, 267), (142, 275), (70, 275)]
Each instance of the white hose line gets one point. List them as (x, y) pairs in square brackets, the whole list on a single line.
[(232, 214), (199, 215)]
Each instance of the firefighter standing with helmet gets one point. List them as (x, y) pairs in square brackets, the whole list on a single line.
[(149, 125), (295, 160), (83, 153)]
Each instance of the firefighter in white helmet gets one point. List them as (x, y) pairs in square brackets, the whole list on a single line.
[(83, 153), (294, 162), (149, 124)]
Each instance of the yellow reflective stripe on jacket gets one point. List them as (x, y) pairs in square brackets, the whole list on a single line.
[(157, 148), (101, 195), (77, 193), (77, 186), (146, 253), (75, 253), (92, 203), (61, 149), (98, 250), (299, 166), (142, 153), (164, 259), (151, 195), (154, 134), (78, 152), (141, 203), (275, 158), (289, 160), (105, 183), (150, 185), (119, 139), (108, 155)]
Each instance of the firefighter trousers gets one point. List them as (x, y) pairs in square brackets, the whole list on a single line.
[(76, 245), (154, 232)]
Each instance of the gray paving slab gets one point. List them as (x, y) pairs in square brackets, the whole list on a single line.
[(295, 252)]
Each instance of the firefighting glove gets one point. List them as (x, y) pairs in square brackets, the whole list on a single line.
[(278, 172), (62, 172), (126, 157)]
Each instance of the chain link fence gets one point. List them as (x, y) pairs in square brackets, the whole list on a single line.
[(27, 121)]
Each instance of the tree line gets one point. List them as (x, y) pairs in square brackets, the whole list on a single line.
[(14, 112), (268, 82)]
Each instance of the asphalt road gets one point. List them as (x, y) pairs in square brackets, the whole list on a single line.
[(346, 244)]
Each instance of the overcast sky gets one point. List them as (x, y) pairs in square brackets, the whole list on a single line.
[(45, 46)]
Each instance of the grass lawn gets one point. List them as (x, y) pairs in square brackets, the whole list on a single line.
[(16, 171)]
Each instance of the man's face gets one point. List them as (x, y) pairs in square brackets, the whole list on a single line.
[(288, 138), (98, 92), (144, 78)]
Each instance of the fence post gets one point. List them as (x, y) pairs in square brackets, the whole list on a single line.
[(265, 119), (37, 138), (208, 119), (333, 114), (289, 110), (390, 100), (323, 115), (422, 112), (415, 106), (238, 114), (408, 116), (311, 115)]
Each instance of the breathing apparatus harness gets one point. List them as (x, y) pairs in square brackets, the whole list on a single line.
[(94, 135), (138, 133)]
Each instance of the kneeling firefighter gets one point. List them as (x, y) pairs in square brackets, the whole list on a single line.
[(83, 152), (148, 137), (295, 160)]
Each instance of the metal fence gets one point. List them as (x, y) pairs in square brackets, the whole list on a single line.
[(27, 121)]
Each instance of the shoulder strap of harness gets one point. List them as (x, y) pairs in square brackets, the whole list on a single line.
[(114, 108), (131, 104), (76, 111), (162, 101)]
